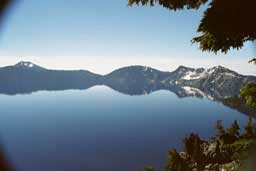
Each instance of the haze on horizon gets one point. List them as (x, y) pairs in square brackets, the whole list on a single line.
[(101, 37)]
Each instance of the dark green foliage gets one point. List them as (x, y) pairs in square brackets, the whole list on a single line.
[(228, 136), (254, 129), (253, 61), (225, 24), (175, 162), (231, 134), (248, 93), (220, 129), (5, 165), (233, 131), (227, 148), (239, 104), (217, 157), (3, 5), (249, 128), (3, 8), (248, 157), (192, 146), (171, 4)]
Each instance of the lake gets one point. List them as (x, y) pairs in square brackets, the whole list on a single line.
[(100, 129)]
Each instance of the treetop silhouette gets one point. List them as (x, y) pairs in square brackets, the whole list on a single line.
[(225, 24)]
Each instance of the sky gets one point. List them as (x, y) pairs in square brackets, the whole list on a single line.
[(101, 36)]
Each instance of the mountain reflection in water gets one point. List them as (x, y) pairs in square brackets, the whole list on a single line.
[(137, 89)]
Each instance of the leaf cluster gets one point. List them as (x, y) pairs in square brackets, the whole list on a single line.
[(225, 25), (248, 93)]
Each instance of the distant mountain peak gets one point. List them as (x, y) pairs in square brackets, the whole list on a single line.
[(27, 65), (182, 67), (217, 82), (220, 69)]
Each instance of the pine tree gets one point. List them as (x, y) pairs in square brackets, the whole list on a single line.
[(192, 144), (197, 153), (225, 24), (220, 129), (248, 94), (254, 129), (217, 158), (249, 128), (233, 131), (175, 162)]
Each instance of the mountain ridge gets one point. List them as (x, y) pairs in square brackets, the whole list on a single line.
[(28, 63), (217, 82)]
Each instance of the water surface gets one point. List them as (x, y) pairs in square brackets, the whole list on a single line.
[(99, 129)]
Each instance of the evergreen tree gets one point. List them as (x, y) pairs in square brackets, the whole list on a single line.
[(217, 157), (220, 129), (3, 6), (175, 162), (188, 146), (192, 145), (254, 129), (249, 128), (197, 153), (248, 94), (233, 131), (225, 24)]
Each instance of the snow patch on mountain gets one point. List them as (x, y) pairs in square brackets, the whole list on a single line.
[(192, 75), (145, 69), (28, 66), (204, 73), (25, 64)]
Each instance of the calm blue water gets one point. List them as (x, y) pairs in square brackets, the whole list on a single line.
[(101, 130)]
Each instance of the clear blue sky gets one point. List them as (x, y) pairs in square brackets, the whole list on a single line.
[(104, 35)]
